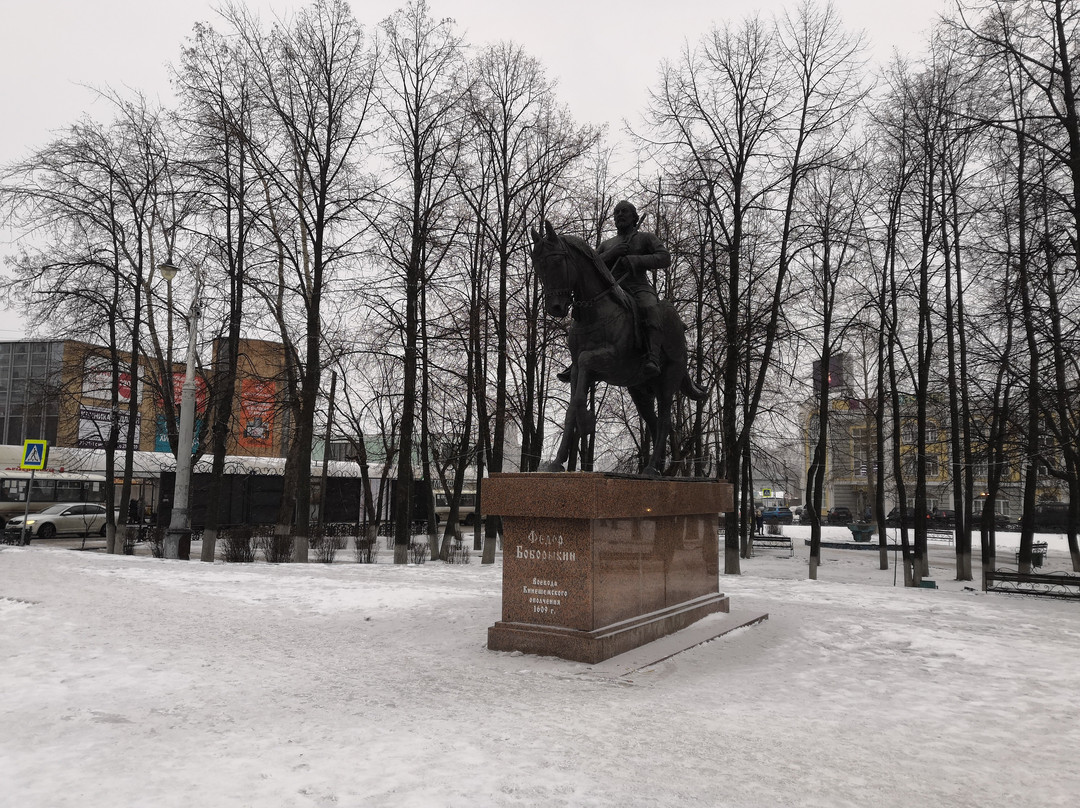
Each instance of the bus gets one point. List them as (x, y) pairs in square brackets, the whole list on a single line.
[(466, 506), (49, 488)]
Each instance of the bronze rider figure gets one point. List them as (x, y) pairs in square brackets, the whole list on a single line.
[(630, 255)]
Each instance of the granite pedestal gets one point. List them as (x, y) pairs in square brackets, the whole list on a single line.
[(595, 565)]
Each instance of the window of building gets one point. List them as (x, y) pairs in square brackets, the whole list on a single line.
[(858, 448), (52, 426), (14, 429), (39, 360), (19, 363), (909, 433), (5, 369), (33, 424), (933, 468)]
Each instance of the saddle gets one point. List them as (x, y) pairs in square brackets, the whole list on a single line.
[(640, 345)]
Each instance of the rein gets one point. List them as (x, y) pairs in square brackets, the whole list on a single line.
[(576, 301)]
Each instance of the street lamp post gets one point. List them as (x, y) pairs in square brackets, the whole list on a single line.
[(178, 537), (168, 272)]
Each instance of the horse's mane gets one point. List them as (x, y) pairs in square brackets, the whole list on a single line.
[(587, 250)]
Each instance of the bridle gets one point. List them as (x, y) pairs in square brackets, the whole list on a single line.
[(553, 252), (566, 290)]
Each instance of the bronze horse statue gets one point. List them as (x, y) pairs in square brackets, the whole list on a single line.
[(605, 346)]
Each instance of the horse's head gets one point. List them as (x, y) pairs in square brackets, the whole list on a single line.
[(551, 262)]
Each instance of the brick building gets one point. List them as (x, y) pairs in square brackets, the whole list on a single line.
[(62, 391)]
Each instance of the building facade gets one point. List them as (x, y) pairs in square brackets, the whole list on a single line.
[(851, 466), (62, 391)]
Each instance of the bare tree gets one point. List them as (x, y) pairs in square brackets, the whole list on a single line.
[(1035, 44), (217, 88), (420, 102), (105, 198), (834, 209), (315, 87), (755, 110)]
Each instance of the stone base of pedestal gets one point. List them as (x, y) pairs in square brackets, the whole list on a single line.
[(602, 643), (595, 565)]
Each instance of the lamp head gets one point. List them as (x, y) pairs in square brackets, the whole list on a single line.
[(168, 271)]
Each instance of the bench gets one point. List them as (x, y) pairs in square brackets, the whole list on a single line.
[(775, 541), (946, 536), (1045, 584), (1038, 553)]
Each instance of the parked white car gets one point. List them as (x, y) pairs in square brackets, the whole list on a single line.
[(61, 519)]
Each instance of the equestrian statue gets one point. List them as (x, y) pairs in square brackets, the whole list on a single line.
[(620, 333)]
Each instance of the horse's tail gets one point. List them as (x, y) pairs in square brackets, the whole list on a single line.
[(691, 390)]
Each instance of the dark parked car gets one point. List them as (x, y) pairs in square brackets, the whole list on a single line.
[(893, 517), (1052, 517), (1001, 522), (942, 517), (840, 515), (778, 515)]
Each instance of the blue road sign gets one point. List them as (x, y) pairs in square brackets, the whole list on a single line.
[(33, 455)]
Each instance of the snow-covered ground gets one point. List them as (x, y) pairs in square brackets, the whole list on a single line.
[(131, 681)]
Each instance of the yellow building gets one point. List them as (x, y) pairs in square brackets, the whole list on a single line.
[(851, 467)]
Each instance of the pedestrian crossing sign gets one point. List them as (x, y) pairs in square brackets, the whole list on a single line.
[(33, 455)]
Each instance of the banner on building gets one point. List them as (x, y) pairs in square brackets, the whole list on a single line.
[(178, 379), (98, 380), (161, 434), (94, 426), (257, 402)]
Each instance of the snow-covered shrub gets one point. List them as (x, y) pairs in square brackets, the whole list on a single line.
[(418, 552), (277, 549), (367, 550), (237, 546), (459, 553), (325, 545), (156, 537)]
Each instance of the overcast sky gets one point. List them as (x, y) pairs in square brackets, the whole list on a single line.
[(604, 55)]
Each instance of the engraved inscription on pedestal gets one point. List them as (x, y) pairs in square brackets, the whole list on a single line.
[(595, 565), (546, 572), (545, 597)]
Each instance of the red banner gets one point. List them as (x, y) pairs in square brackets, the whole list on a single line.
[(257, 402)]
